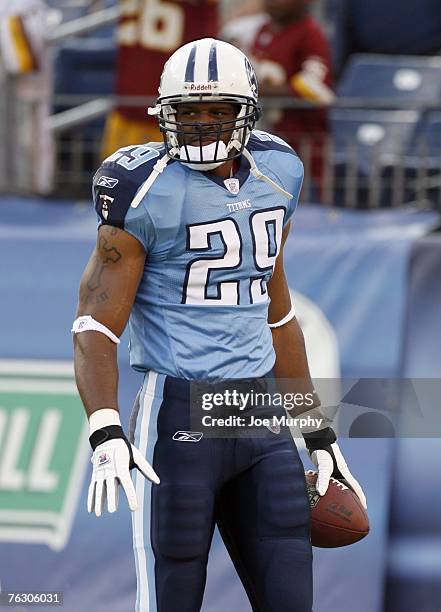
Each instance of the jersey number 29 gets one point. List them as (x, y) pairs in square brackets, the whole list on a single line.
[(263, 225)]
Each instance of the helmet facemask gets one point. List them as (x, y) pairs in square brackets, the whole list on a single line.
[(184, 140)]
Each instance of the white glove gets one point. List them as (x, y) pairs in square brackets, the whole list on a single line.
[(330, 462), (112, 460), (326, 455)]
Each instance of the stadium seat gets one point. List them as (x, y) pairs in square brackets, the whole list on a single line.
[(429, 135), (395, 26), (401, 147), (85, 66), (403, 79), (422, 164), (368, 147), (386, 132)]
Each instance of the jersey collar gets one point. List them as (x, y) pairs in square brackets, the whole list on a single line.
[(241, 174)]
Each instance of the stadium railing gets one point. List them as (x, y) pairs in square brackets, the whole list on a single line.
[(370, 158)]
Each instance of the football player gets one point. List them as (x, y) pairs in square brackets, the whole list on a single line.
[(190, 252)]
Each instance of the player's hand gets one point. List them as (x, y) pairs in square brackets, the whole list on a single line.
[(327, 457), (112, 461)]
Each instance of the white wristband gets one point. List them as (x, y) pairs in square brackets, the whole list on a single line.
[(291, 314), (103, 418), (88, 323)]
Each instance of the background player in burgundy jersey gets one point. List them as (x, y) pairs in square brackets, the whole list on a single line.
[(291, 56), (147, 33)]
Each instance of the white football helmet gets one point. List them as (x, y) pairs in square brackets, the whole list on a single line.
[(207, 70)]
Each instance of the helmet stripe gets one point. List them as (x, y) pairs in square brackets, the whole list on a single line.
[(189, 71), (212, 63)]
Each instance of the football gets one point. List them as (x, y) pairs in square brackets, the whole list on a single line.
[(338, 518)]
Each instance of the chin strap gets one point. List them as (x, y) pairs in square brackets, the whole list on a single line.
[(158, 168), (262, 177)]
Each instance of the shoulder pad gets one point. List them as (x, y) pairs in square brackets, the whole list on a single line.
[(264, 141), (118, 179)]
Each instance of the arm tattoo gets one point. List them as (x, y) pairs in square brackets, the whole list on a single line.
[(108, 255), (108, 252), (94, 282)]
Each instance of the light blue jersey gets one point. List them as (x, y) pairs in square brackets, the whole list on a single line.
[(201, 307)]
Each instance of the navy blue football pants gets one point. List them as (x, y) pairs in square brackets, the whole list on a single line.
[(252, 488)]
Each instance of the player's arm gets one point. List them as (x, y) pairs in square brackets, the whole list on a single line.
[(107, 292), (289, 345), (310, 83), (292, 365), (313, 82)]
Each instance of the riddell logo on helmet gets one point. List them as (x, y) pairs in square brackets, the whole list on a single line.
[(200, 86)]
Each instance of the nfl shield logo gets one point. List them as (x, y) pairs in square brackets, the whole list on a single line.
[(232, 184), (103, 458)]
